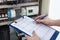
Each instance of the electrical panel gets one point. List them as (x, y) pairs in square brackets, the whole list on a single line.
[(32, 10), (11, 2)]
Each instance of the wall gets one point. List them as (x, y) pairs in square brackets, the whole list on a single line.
[(45, 6)]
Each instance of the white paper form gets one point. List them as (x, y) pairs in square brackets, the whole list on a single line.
[(28, 25)]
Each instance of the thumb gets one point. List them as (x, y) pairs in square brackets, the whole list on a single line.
[(42, 21), (27, 37), (33, 33)]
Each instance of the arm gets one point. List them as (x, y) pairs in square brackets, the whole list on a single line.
[(56, 23), (48, 21)]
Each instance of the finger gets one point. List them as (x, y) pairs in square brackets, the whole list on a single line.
[(42, 21), (37, 17), (38, 21), (33, 33), (26, 36)]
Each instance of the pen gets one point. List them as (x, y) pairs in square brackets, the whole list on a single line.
[(43, 16)]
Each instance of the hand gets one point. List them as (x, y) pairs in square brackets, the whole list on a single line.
[(34, 37), (46, 21), (38, 17)]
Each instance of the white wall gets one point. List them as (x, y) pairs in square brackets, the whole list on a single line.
[(45, 6), (54, 9)]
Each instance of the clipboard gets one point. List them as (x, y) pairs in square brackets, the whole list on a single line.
[(27, 25)]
